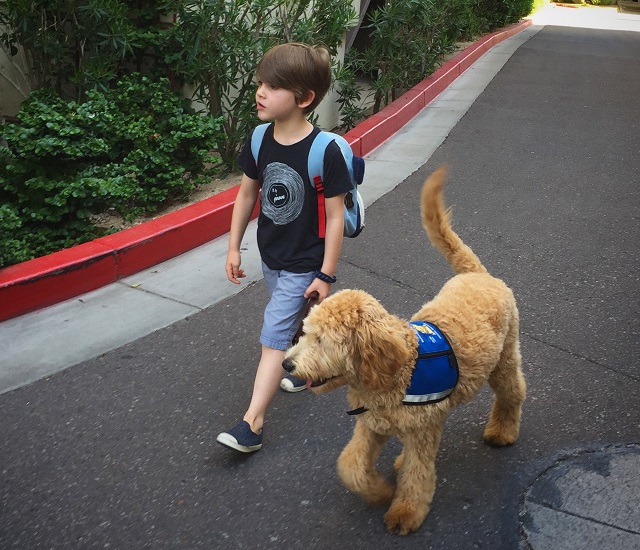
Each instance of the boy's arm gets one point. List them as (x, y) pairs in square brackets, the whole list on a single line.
[(242, 209), (334, 207)]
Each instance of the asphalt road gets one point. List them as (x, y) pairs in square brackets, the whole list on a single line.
[(119, 451)]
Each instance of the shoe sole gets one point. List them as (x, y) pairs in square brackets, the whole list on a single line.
[(231, 442), (290, 388)]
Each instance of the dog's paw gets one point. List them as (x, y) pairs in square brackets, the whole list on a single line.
[(371, 486), (499, 437), (404, 518)]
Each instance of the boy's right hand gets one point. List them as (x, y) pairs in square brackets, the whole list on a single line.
[(232, 267)]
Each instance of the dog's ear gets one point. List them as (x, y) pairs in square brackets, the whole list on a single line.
[(382, 351)]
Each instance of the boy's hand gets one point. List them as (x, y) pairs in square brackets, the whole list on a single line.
[(232, 267), (320, 288)]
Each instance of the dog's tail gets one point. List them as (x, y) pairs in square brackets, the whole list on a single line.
[(436, 221)]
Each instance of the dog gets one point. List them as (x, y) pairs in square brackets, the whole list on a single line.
[(349, 338)]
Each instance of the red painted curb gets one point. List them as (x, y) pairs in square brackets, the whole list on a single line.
[(62, 275)]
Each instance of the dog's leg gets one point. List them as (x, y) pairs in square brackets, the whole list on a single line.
[(416, 481), (509, 387), (357, 466)]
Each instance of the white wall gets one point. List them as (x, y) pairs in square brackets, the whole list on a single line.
[(14, 81)]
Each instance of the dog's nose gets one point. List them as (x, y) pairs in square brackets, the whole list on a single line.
[(288, 365)]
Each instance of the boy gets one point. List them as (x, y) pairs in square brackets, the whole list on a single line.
[(297, 264)]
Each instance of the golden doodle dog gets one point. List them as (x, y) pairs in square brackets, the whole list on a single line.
[(351, 339)]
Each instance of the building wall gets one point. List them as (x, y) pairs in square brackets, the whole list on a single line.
[(14, 81)]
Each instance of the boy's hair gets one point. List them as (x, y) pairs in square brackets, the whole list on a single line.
[(299, 68)]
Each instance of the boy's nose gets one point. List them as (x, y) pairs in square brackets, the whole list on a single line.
[(288, 365)]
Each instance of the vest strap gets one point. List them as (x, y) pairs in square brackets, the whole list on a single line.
[(359, 410)]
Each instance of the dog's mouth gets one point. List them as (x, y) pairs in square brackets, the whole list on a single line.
[(327, 384), (318, 383)]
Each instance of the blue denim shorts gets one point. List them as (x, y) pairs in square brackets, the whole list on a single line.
[(283, 313)]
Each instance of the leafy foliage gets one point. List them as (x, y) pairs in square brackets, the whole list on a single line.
[(131, 148), (77, 45), (407, 40)]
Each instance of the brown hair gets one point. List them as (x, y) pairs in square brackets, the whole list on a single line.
[(299, 68)]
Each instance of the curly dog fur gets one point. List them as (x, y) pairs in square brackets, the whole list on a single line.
[(351, 339)]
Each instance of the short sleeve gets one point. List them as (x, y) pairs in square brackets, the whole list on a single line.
[(336, 175), (246, 161)]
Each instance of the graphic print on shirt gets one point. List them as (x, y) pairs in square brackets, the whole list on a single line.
[(282, 193)]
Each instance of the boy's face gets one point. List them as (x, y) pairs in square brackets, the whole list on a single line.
[(275, 103)]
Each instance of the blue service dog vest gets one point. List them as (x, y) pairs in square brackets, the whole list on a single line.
[(436, 371)]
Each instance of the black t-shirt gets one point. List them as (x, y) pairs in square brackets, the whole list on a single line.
[(288, 222)]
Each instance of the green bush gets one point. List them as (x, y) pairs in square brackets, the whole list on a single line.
[(407, 40), (131, 148), (498, 13)]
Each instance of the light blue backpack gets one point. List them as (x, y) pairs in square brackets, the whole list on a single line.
[(353, 204)]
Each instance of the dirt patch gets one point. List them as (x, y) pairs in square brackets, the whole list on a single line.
[(111, 220)]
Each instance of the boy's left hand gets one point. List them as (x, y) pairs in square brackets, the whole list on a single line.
[(321, 288)]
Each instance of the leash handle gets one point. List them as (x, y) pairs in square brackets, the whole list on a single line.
[(311, 301)]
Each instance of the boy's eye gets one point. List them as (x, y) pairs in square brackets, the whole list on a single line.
[(270, 86)]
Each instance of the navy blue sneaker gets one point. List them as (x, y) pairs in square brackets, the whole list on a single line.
[(292, 384), (241, 438)]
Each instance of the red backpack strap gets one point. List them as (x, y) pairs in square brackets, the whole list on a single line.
[(316, 174), (322, 214)]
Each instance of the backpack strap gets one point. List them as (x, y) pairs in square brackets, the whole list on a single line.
[(355, 166), (256, 140), (315, 164), (315, 167)]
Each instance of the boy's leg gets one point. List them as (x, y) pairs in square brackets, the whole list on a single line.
[(281, 316), (246, 436), (284, 315), (265, 386)]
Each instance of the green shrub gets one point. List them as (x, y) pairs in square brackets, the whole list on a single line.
[(498, 13), (130, 148), (77, 45), (407, 40)]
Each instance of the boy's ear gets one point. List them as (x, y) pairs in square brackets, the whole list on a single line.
[(303, 104)]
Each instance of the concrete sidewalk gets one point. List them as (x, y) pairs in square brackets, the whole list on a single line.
[(119, 451)]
